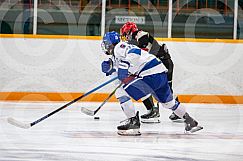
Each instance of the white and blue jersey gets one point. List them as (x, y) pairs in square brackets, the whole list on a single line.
[(137, 61), (150, 71)]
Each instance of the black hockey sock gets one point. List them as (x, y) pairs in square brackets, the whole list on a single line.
[(170, 84), (148, 103)]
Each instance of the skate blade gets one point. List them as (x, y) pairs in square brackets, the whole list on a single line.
[(150, 121), (131, 132), (179, 121), (195, 129)]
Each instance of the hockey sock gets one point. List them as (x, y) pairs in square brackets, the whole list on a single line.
[(170, 84), (180, 111), (148, 103), (127, 106)]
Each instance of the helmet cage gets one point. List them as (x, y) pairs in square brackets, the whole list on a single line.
[(106, 47)]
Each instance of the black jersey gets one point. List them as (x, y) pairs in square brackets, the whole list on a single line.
[(145, 41)]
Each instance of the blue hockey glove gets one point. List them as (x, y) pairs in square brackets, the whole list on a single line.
[(106, 67), (124, 77), (122, 74), (110, 72)]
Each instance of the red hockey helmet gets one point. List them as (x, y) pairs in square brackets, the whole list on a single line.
[(127, 30)]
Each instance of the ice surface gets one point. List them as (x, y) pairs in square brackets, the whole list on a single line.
[(71, 135)]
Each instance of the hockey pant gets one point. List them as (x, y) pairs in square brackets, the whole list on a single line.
[(168, 63), (157, 85)]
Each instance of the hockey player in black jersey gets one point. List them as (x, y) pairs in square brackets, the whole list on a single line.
[(129, 32)]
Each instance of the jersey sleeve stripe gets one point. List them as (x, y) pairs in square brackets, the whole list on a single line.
[(135, 51), (151, 64)]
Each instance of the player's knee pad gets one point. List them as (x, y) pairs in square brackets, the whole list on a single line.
[(173, 104)]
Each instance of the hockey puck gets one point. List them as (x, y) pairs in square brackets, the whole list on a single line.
[(96, 118)]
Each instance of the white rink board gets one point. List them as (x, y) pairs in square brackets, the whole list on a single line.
[(72, 135), (68, 65)]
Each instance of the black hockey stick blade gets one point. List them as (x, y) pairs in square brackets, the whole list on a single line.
[(17, 123), (87, 111)]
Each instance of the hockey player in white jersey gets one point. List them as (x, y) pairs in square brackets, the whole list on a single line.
[(110, 67), (142, 73)]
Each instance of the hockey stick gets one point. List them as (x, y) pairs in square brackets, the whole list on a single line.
[(92, 113), (28, 125)]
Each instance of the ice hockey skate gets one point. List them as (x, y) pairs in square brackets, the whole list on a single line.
[(131, 127), (152, 116), (191, 125), (173, 117)]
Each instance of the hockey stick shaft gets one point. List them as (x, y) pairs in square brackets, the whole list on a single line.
[(107, 99), (92, 113), (112, 93), (73, 101)]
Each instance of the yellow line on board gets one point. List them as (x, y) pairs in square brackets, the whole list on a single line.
[(200, 40), (51, 96), (99, 97), (218, 99), (99, 38), (30, 36)]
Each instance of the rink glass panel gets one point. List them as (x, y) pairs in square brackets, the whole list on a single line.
[(69, 17), (203, 19), (240, 20), (15, 17), (153, 12), (191, 18)]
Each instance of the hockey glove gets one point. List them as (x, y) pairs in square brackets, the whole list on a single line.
[(107, 68), (124, 77)]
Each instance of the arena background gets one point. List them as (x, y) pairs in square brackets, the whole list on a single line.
[(50, 55), (50, 50)]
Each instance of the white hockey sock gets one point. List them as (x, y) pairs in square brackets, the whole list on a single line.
[(180, 111), (128, 108)]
